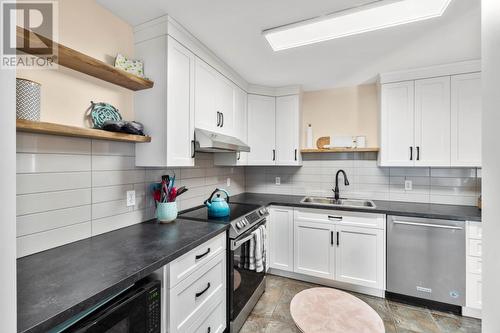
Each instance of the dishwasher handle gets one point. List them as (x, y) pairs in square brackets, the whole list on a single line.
[(439, 226)]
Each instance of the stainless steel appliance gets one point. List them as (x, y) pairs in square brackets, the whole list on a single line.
[(426, 259), (245, 286), (137, 310)]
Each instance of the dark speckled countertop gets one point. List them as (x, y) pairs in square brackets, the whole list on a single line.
[(55, 285), (434, 211)]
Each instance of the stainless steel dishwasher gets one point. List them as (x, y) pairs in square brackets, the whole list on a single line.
[(426, 259)]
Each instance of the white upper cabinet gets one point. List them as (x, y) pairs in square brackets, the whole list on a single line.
[(261, 130), (240, 122), (166, 110), (432, 122), (466, 120), (397, 124), (274, 130), (214, 100), (224, 104), (288, 130), (206, 115)]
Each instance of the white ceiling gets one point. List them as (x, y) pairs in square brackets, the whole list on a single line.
[(232, 29)]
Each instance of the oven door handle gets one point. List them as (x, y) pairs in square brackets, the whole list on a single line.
[(238, 243)]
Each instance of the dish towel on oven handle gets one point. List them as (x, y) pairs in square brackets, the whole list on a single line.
[(254, 252)]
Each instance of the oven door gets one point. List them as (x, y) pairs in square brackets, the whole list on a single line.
[(135, 311), (243, 280)]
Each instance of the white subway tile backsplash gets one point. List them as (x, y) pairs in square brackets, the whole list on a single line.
[(52, 238), (367, 180), (42, 202), (110, 208), (109, 178), (106, 163), (102, 147), (110, 193), (39, 222), (40, 143), (100, 226), (34, 163), (69, 187), (45, 182)]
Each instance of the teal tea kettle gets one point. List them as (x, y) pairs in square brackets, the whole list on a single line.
[(217, 206)]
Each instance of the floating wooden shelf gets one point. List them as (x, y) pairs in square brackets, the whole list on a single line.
[(80, 132), (83, 63), (341, 150)]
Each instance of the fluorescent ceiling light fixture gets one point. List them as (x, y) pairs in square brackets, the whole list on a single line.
[(373, 16)]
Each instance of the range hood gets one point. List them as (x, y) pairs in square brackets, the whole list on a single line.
[(211, 142)]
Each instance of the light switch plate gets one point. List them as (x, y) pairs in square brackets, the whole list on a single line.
[(130, 198), (228, 181), (408, 185), (278, 180)]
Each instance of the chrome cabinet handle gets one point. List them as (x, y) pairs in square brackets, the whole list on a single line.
[(198, 257), (439, 226), (218, 119), (203, 291)]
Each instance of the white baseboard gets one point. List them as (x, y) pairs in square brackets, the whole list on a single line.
[(329, 283), (471, 312)]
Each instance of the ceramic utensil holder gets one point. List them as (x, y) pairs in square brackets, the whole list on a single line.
[(28, 100), (166, 211)]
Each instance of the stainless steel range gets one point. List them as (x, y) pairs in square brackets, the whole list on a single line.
[(245, 286)]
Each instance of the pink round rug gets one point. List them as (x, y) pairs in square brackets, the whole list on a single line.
[(326, 310)]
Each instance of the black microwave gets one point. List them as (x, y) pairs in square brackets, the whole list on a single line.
[(137, 310)]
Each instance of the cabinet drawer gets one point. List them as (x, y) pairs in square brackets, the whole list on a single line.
[(355, 219), (215, 322), (194, 296), (475, 230), (474, 265), (475, 247), (185, 265)]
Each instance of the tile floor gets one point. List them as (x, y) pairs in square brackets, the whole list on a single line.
[(272, 314)]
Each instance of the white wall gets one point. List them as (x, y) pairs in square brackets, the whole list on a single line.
[(8, 202), (491, 160)]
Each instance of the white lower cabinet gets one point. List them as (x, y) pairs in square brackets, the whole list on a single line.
[(195, 287), (281, 240), (338, 246), (314, 250), (360, 256)]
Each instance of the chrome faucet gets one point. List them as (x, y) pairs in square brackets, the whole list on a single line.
[(346, 183)]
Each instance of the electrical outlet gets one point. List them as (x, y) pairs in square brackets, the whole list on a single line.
[(130, 198), (228, 181), (408, 185), (278, 180)]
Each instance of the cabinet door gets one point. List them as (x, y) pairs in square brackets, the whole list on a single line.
[(225, 104), (261, 130), (314, 249), (287, 130), (432, 122), (180, 105), (466, 120), (281, 238), (360, 256), (397, 124), (206, 116), (241, 122)]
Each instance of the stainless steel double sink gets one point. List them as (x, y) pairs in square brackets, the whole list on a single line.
[(329, 201)]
